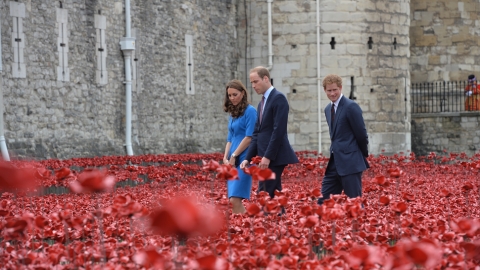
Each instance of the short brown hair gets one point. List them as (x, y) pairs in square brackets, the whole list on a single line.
[(235, 111), (261, 71), (332, 78)]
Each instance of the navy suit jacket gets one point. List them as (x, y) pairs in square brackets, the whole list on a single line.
[(270, 138), (349, 137)]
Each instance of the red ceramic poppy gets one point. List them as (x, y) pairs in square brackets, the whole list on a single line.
[(210, 165), (227, 172), (92, 180), (17, 178), (185, 217), (256, 160), (260, 174)]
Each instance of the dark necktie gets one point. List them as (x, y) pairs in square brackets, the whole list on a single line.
[(261, 108), (332, 113)]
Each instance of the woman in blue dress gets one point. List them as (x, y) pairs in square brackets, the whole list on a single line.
[(240, 129)]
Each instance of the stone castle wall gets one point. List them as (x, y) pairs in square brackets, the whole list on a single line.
[(64, 97), (452, 132), (444, 46), (379, 75), (445, 40)]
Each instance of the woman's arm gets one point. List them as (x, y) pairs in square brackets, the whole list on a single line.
[(227, 150), (241, 147)]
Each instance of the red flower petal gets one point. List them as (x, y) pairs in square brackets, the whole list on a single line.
[(309, 221), (253, 209), (227, 172), (260, 174), (210, 165), (92, 180), (385, 200), (282, 200), (381, 180), (316, 192), (211, 262), (399, 207), (184, 217), (12, 177), (63, 173), (256, 160)]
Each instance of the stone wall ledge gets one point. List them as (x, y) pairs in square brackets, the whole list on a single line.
[(446, 114)]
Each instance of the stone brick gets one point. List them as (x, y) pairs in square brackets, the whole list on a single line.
[(426, 41), (302, 139), (308, 128), (434, 60)]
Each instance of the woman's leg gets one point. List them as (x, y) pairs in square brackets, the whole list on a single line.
[(237, 205)]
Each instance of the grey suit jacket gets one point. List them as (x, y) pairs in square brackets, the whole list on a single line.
[(349, 137)]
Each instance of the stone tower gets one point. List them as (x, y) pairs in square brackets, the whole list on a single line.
[(366, 42)]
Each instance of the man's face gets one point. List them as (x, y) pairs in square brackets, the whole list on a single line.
[(260, 85), (333, 91)]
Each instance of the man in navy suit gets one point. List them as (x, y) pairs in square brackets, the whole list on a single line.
[(269, 139), (349, 147)]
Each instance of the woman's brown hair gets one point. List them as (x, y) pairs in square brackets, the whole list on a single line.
[(235, 111)]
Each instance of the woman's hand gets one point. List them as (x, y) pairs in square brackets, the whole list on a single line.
[(232, 161), (225, 161)]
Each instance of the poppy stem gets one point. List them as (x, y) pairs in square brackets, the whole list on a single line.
[(310, 243), (354, 228), (397, 225), (253, 232), (397, 188), (333, 234), (478, 190), (178, 184), (131, 229), (467, 203), (228, 226), (100, 228), (65, 229), (174, 251), (449, 214), (212, 186), (228, 233)]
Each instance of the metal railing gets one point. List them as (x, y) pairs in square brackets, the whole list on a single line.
[(438, 97)]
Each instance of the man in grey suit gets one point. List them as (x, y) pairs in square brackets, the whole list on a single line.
[(349, 147)]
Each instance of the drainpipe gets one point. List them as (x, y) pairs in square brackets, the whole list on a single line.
[(270, 50), (319, 82), (3, 145), (127, 45), (408, 125)]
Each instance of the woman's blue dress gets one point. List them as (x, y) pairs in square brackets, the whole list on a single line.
[(238, 128)]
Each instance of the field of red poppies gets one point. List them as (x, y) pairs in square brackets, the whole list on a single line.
[(171, 212)]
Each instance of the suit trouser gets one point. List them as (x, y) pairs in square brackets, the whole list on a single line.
[(333, 183), (271, 185)]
